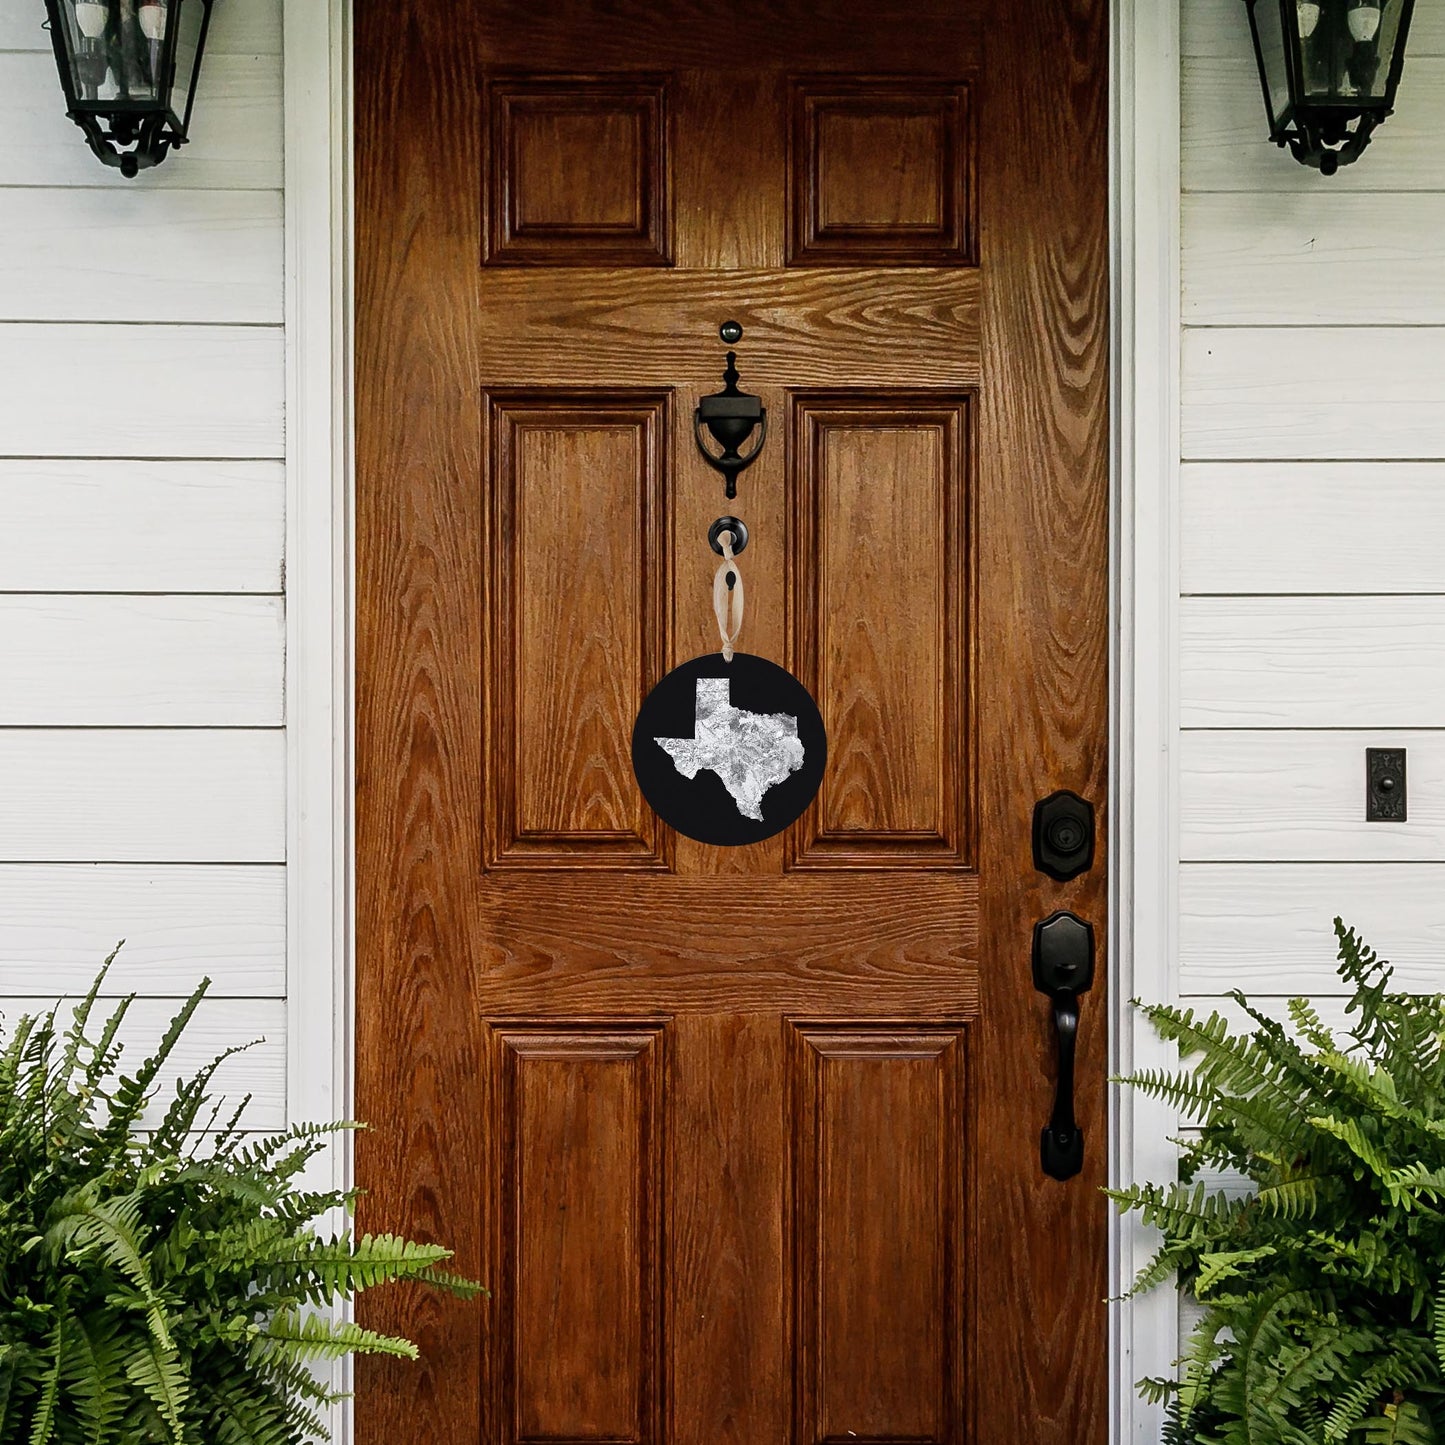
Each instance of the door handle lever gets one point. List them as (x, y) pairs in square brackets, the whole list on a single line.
[(1063, 964)]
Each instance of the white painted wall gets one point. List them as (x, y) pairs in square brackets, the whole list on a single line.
[(143, 755), (1311, 527)]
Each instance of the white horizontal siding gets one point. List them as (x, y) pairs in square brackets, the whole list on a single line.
[(140, 795), (1312, 508), (141, 661), (1313, 392), (238, 27), (180, 924), (1267, 929), (141, 391), (142, 492), (219, 1024), (1281, 527), (1221, 28), (1311, 662), (235, 133), (188, 526), (1225, 143), (175, 255), (1282, 796), (1270, 260)]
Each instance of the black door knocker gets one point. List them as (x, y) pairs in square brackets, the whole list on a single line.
[(731, 416)]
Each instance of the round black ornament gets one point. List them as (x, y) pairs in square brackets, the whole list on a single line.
[(729, 752)]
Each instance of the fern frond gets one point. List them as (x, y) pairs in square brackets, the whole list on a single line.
[(1310, 1025), (94, 1373), (132, 1094), (114, 1228), (1292, 1199), (157, 1371), (313, 1337), (42, 1425)]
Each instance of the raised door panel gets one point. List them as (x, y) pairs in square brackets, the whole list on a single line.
[(575, 517), (578, 172), (880, 173), (576, 1339), (879, 1233), (880, 577)]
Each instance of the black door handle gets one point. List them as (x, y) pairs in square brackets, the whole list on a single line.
[(1063, 969)]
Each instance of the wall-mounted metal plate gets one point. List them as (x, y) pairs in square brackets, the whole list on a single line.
[(1385, 800)]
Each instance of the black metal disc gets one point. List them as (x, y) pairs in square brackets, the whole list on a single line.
[(750, 735), (736, 526)]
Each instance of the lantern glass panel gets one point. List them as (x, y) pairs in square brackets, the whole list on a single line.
[(1268, 19), (1345, 57), (133, 54), (190, 25)]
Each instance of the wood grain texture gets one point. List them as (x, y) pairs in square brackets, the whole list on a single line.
[(91, 795), (879, 1114), (890, 39), (180, 924), (1042, 680), (1326, 527), (1225, 144), (723, 951), (1300, 797), (1312, 662), (881, 608), (579, 1217), (420, 602), (803, 328), (1293, 393), (1221, 28), (559, 724), (1268, 929), (235, 142), (218, 1024), (188, 526), (224, 391), (880, 172), (795, 944), (98, 255), (142, 661), (578, 171), (1269, 260)]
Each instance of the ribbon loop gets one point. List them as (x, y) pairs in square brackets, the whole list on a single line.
[(727, 596)]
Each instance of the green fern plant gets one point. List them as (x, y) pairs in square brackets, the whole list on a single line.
[(164, 1282), (1322, 1284)]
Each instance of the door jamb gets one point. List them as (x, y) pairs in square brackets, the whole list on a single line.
[(316, 96), (1143, 802), (1144, 289)]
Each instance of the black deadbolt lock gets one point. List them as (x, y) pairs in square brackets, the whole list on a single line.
[(1063, 836)]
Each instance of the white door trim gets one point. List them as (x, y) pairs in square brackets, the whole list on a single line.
[(319, 773), (1144, 850), (1144, 217)]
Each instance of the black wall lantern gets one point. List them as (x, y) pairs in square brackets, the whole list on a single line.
[(1330, 69), (129, 68)]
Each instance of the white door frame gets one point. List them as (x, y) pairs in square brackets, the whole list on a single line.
[(1144, 223)]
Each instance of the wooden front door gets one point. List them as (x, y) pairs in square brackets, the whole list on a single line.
[(744, 1142)]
